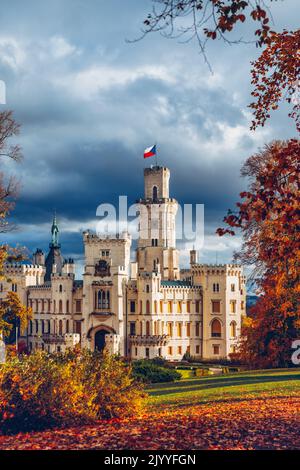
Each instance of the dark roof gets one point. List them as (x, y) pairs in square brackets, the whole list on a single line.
[(54, 257), (175, 284)]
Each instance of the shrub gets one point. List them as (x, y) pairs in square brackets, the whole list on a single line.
[(148, 371), (41, 391)]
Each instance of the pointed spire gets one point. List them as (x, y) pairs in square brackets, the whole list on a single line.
[(54, 232)]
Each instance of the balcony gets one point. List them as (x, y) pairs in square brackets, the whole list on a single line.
[(149, 340), (53, 339)]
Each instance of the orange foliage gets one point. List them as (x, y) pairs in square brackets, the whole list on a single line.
[(269, 218)]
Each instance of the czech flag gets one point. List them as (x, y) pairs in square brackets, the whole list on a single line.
[(150, 151)]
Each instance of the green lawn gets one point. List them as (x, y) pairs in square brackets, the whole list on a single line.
[(280, 382)]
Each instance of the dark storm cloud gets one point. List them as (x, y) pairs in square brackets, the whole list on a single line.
[(89, 103)]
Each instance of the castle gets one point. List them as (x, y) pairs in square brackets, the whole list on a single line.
[(141, 309)]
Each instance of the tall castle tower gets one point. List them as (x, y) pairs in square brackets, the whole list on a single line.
[(157, 229)]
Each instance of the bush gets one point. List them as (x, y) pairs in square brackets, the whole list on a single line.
[(148, 371), (42, 391)]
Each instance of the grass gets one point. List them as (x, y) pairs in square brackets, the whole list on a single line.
[(200, 390)]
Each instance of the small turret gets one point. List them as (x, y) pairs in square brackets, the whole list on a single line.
[(193, 256), (39, 257)]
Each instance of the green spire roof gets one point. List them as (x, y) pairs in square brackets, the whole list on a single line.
[(54, 232)]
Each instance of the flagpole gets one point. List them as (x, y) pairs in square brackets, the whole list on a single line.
[(156, 155)]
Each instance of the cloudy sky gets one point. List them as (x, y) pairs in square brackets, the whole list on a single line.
[(89, 103)]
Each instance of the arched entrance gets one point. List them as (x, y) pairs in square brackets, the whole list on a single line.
[(100, 339)]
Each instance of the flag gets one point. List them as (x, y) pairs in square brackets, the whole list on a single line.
[(150, 151)]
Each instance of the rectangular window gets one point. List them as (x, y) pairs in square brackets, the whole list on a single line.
[(188, 330), (179, 329), (170, 350), (216, 306), (233, 306), (132, 306), (78, 327), (197, 329), (216, 349), (188, 349), (216, 287), (132, 328), (232, 287), (170, 329), (78, 306), (197, 307), (170, 307), (179, 307), (188, 306), (147, 352), (161, 306), (179, 350), (198, 349), (242, 305)]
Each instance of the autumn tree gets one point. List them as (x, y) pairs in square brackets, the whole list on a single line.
[(275, 74), (268, 216), (11, 309)]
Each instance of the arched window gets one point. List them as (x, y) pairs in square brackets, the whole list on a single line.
[(54, 306), (233, 329), (148, 306), (60, 288), (216, 329), (147, 288), (154, 193), (170, 306), (103, 299), (60, 306), (36, 326), (141, 306), (60, 327), (155, 306), (67, 327), (67, 306), (141, 327), (155, 327), (147, 328)]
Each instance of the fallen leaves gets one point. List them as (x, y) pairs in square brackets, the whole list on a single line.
[(251, 423)]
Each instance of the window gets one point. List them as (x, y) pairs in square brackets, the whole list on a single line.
[(141, 307), (179, 350), (161, 306), (233, 329), (60, 306), (170, 329), (170, 350), (197, 329), (132, 328), (155, 328), (188, 349), (216, 329), (60, 328), (216, 287), (233, 306), (170, 306), (36, 326), (147, 328), (78, 306), (43, 327), (154, 193), (216, 349), (179, 329), (14, 287), (232, 287), (197, 349), (216, 306), (188, 306), (141, 327), (136, 351), (242, 305), (188, 330), (68, 306), (233, 349), (78, 327), (179, 309), (103, 299), (132, 306), (147, 351), (60, 288), (147, 288), (148, 307), (197, 306), (155, 306), (67, 327)]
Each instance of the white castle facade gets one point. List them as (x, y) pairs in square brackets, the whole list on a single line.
[(141, 309)]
